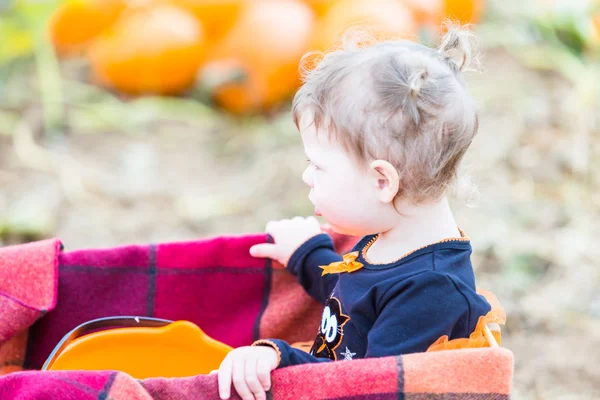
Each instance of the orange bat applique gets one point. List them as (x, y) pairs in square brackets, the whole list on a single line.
[(349, 264)]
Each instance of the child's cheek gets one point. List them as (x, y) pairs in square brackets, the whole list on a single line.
[(336, 197)]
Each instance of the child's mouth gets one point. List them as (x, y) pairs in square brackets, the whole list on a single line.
[(317, 211)]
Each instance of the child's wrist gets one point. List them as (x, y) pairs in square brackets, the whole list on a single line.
[(311, 244), (271, 345), (298, 247)]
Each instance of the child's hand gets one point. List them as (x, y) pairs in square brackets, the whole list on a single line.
[(249, 368), (289, 234)]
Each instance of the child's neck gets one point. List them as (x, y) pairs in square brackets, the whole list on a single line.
[(421, 225)]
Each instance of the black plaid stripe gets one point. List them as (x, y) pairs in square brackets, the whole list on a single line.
[(150, 302), (107, 385), (212, 270), (12, 363), (400, 378), (164, 271), (268, 271), (76, 384), (93, 269)]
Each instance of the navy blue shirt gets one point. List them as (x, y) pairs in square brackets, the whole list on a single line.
[(385, 309)]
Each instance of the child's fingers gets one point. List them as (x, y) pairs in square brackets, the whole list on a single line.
[(239, 380), (263, 372), (225, 378), (270, 226), (252, 379), (314, 221), (263, 250)]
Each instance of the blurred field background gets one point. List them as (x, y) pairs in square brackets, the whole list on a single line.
[(159, 120)]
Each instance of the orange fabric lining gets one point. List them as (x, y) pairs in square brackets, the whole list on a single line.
[(477, 339), (304, 346)]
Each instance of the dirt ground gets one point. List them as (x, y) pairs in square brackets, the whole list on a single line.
[(154, 170)]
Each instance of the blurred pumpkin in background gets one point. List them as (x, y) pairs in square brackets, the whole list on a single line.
[(75, 23), (433, 13), (463, 11), (255, 66), (427, 12), (155, 49), (246, 52), (216, 16), (595, 30), (320, 6), (384, 18)]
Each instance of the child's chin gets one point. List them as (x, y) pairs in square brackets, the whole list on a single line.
[(340, 230), (348, 230)]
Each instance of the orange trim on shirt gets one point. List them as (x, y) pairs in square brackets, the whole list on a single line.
[(463, 238), (272, 345)]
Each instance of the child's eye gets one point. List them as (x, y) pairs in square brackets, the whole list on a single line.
[(312, 164)]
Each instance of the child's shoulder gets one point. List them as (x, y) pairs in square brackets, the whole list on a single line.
[(415, 282), (431, 290)]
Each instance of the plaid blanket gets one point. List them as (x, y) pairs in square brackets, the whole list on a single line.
[(45, 292), (473, 374)]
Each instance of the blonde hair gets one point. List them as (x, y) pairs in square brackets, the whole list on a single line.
[(399, 101)]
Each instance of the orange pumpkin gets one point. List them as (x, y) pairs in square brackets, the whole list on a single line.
[(263, 49), (463, 11), (426, 12), (594, 29), (320, 6), (153, 49), (216, 16), (75, 23), (384, 18)]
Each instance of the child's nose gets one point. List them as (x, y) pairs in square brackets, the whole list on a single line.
[(307, 177)]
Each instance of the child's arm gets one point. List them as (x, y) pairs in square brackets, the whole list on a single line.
[(413, 315), (301, 246)]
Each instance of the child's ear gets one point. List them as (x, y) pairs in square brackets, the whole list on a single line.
[(388, 180)]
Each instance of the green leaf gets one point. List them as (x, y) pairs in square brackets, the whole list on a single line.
[(17, 41), (524, 269), (35, 13)]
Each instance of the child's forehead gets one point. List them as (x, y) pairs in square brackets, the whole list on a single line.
[(316, 139)]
